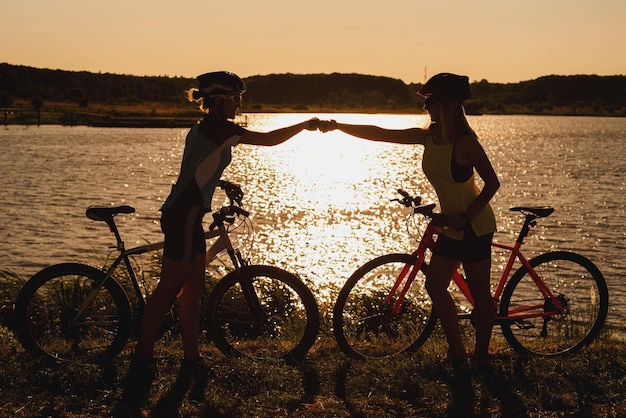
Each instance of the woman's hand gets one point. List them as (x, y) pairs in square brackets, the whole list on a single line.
[(313, 124), (458, 222), (327, 125), (232, 190)]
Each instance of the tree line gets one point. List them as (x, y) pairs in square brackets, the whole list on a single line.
[(553, 94)]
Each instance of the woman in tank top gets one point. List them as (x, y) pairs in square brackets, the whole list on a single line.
[(452, 157)]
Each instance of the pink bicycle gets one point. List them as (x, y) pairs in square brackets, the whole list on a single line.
[(554, 304)]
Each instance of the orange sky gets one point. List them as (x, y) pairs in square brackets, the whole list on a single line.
[(500, 41)]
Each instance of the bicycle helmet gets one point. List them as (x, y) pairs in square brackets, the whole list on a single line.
[(220, 83), (447, 85)]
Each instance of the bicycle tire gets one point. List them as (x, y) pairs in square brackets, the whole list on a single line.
[(287, 327), (44, 315), (578, 283), (363, 324)]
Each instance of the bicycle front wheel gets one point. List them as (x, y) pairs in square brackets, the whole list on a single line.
[(263, 312), (52, 319), (363, 322), (579, 287)]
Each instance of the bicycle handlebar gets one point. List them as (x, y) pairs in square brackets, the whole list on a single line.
[(415, 203), (408, 200), (227, 214)]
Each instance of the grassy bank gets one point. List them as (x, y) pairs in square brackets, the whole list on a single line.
[(592, 383), (328, 385)]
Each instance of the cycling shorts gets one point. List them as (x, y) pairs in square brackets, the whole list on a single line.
[(467, 250), (184, 235)]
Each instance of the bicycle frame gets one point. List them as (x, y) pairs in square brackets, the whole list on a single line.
[(516, 254), (532, 311), (222, 243), (73, 311)]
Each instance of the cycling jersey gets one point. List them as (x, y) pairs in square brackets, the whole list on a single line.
[(207, 153)]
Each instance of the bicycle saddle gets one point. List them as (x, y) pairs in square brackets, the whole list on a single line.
[(538, 211), (106, 213)]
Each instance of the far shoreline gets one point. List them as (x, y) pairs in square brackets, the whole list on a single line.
[(163, 115)]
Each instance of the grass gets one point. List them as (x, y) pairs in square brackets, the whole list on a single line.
[(592, 383)]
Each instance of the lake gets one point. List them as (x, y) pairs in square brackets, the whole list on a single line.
[(320, 203)]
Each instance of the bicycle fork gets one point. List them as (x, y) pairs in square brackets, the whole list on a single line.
[(246, 283)]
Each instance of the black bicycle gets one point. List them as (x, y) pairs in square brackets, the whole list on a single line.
[(76, 312)]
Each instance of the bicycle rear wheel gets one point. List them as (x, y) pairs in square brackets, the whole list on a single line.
[(263, 312), (363, 323), (578, 285), (47, 321)]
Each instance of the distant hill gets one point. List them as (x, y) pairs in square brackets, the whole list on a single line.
[(328, 89), (84, 92)]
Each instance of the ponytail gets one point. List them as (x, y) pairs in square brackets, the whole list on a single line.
[(196, 96)]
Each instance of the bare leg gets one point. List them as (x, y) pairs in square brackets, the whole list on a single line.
[(478, 279), (173, 275), (142, 370), (440, 272), (189, 308)]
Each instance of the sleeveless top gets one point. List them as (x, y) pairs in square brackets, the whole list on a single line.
[(207, 153), (454, 197)]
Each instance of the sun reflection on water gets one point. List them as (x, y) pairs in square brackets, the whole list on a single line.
[(329, 206)]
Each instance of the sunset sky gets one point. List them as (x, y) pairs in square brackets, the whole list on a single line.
[(495, 40)]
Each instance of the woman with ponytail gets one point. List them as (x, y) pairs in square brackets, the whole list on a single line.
[(207, 153)]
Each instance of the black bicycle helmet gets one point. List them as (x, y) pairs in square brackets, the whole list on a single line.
[(447, 85), (219, 83)]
